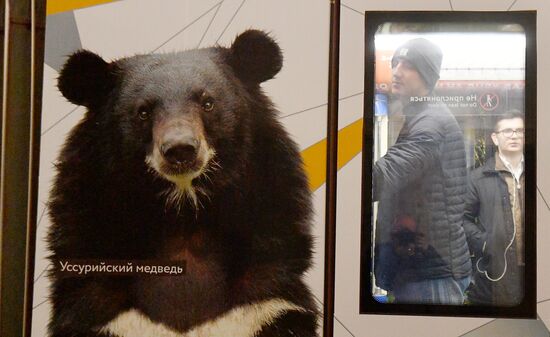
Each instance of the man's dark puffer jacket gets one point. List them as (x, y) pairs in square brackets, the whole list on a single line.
[(423, 177), (489, 226)]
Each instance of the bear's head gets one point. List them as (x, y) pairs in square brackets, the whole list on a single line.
[(181, 116)]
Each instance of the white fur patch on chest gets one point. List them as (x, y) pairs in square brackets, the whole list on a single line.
[(243, 321)]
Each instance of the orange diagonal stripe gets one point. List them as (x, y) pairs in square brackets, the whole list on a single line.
[(315, 158), (58, 6)]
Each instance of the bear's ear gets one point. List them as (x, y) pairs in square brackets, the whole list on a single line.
[(86, 79), (255, 57)]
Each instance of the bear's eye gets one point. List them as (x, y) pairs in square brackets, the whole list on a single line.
[(208, 104), (143, 114)]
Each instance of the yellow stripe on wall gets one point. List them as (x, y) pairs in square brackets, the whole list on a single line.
[(58, 6), (350, 143)]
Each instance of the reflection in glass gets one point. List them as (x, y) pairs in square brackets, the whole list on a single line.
[(448, 164)]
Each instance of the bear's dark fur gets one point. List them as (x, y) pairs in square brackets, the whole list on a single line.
[(180, 157)]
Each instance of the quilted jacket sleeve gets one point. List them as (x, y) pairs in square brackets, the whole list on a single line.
[(409, 158)]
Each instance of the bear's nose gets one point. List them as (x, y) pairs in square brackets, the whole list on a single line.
[(181, 153)]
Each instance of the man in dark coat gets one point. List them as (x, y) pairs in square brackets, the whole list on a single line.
[(421, 253), (493, 218)]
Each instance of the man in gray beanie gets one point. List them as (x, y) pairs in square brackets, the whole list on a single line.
[(421, 57), (421, 253)]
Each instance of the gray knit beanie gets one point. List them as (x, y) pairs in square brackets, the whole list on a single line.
[(424, 55)]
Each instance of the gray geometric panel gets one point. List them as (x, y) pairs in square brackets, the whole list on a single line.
[(538, 318), (511, 328), (62, 39)]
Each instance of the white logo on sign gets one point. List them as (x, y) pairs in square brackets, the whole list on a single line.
[(489, 101)]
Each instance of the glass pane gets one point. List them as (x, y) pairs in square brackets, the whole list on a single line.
[(448, 182)]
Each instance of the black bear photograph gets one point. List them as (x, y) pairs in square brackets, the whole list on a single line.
[(180, 157)]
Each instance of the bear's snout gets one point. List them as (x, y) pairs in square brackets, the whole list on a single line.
[(182, 152), (179, 146)]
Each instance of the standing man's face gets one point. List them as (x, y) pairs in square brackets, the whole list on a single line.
[(509, 136), (406, 81)]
